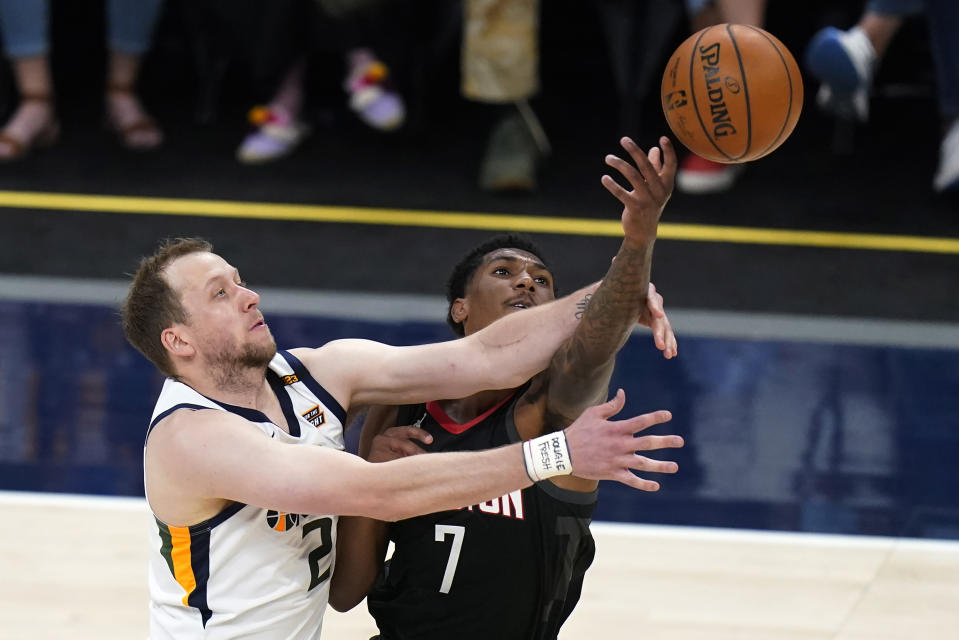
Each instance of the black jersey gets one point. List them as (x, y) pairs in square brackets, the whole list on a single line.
[(511, 568)]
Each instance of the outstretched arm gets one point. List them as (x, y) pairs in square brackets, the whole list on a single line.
[(505, 354), (579, 373), (189, 473)]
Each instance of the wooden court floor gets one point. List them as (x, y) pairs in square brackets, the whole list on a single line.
[(75, 567)]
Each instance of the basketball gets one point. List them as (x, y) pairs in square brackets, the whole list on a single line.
[(732, 93)]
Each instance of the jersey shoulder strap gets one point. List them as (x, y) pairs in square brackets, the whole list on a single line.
[(290, 370)]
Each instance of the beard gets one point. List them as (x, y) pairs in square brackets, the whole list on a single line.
[(231, 366)]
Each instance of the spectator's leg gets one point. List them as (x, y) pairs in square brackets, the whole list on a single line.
[(24, 27), (500, 61), (130, 27), (844, 61)]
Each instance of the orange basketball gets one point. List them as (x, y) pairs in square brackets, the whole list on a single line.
[(732, 93)]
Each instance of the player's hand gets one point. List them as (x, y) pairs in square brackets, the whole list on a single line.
[(651, 179), (654, 317), (398, 442), (604, 449)]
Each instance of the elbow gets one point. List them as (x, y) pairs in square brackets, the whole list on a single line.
[(387, 506), (342, 602), (500, 378), (403, 506), (512, 382), (383, 495)]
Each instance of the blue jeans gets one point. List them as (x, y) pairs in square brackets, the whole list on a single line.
[(24, 25)]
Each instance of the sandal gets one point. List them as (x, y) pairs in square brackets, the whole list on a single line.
[(45, 136), (129, 133)]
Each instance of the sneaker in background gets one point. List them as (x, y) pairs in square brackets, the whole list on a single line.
[(697, 175), (277, 135), (372, 96), (843, 62), (509, 163), (947, 175)]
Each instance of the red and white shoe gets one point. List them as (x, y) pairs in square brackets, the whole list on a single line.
[(699, 175)]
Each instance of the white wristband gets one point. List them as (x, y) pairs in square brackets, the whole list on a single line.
[(547, 456)]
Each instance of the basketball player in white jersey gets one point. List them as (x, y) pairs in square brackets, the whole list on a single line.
[(243, 466)]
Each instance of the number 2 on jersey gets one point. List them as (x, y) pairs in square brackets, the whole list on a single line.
[(325, 525), (457, 532)]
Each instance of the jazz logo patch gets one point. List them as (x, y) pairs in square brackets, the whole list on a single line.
[(281, 521), (314, 416)]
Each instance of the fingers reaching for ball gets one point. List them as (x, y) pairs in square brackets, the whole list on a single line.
[(651, 175), (652, 172)]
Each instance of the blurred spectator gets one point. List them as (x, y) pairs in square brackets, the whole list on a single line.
[(697, 174), (500, 67), (500, 59), (638, 36), (845, 62), (24, 25), (280, 125)]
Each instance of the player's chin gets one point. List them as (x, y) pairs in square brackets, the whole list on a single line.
[(263, 341), (262, 334)]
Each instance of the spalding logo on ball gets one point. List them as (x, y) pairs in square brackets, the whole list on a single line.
[(732, 93)]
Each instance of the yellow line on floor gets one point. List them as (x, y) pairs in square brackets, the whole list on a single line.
[(459, 220)]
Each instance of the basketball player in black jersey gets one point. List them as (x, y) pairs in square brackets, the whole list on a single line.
[(510, 568)]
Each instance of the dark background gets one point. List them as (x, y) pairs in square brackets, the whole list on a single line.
[(206, 69)]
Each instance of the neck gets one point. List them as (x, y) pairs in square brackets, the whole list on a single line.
[(233, 385), (465, 409)]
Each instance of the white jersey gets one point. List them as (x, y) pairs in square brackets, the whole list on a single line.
[(249, 572)]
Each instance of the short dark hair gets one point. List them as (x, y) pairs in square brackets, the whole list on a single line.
[(465, 269), (152, 305)]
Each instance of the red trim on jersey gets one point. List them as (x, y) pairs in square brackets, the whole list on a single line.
[(434, 409)]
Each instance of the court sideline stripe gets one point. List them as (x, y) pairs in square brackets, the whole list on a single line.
[(462, 220)]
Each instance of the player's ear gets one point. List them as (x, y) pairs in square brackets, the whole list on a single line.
[(459, 310), (177, 341)]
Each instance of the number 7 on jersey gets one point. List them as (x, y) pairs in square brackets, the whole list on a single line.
[(457, 532)]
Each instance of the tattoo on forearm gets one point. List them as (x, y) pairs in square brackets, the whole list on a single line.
[(581, 306), (609, 314)]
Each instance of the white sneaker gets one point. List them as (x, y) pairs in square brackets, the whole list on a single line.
[(843, 62), (947, 176)]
